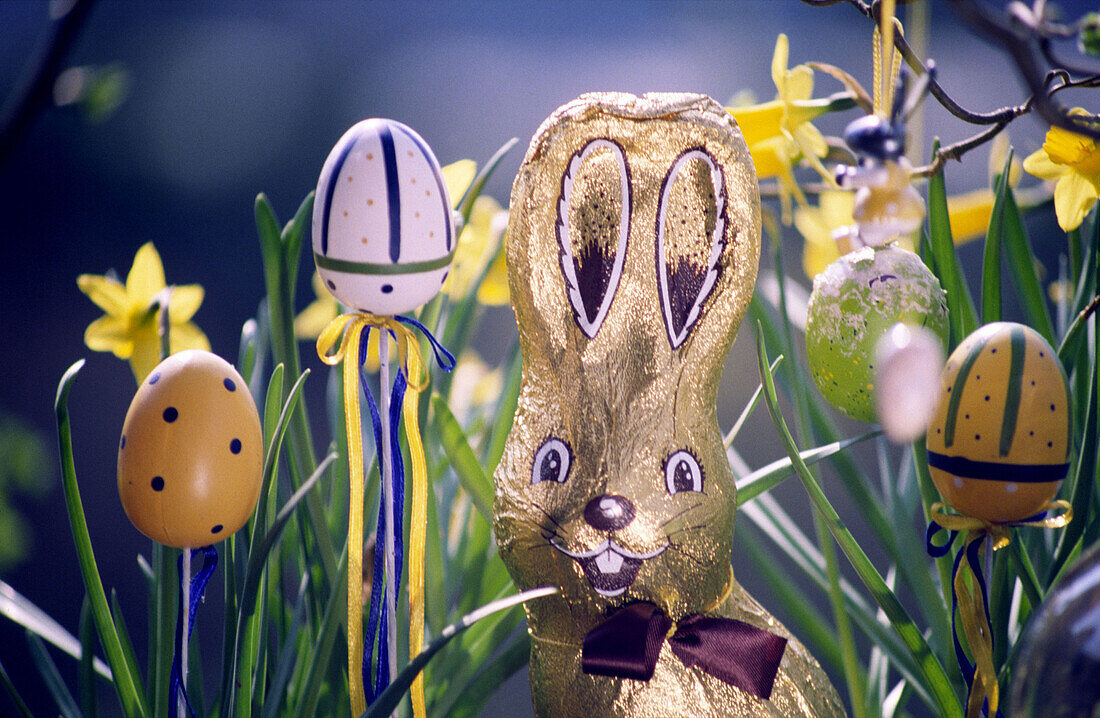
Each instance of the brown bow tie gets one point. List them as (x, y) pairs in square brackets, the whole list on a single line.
[(626, 645)]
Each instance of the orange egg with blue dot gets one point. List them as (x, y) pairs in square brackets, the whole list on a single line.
[(190, 458), (999, 444)]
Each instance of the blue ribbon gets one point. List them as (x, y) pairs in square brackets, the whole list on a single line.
[(196, 590), (377, 621), (970, 552)]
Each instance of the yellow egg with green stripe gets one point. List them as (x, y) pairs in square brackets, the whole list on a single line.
[(998, 447)]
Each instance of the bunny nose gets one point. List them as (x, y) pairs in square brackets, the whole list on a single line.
[(609, 512)]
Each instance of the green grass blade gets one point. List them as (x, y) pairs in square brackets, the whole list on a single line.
[(1022, 264), (1084, 478), (13, 693), (803, 619), (321, 654), (475, 188), (391, 697), (48, 670), (991, 261), (124, 634), (85, 677), (162, 624), (469, 702), (774, 523), (127, 685), (462, 458), (253, 578), (749, 407), (20, 609), (768, 477), (960, 305), (937, 681), (435, 572), (505, 411), (277, 690)]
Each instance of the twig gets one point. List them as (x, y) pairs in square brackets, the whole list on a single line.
[(34, 88), (957, 150)]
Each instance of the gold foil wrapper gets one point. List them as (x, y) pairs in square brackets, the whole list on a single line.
[(632, 254)]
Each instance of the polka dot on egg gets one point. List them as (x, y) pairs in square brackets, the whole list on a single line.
[(154, 378), (1011, 487), (230, 385), (157, 483), (387, 288), (170, 414), (235, 446), (122, 444), (217, 529)]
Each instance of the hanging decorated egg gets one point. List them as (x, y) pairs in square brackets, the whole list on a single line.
[(383, 233), (854, 302), (1058, 671), (998, 446), (191, 454)]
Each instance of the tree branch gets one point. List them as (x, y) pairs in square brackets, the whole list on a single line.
[(33, 91)]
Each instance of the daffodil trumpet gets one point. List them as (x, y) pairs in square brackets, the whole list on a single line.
[(349, 333), (972, 606)]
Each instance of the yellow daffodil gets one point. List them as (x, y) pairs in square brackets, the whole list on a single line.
[(129, 327), (1073, 162), (478, 245), (780, 132)]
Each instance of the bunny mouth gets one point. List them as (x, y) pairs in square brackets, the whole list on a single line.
[(609, 568)]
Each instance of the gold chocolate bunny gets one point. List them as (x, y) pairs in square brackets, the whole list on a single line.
[(632, 252)]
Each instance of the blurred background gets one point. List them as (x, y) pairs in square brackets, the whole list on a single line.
[(196, 107)]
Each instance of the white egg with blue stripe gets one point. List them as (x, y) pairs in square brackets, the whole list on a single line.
[(383, 232)]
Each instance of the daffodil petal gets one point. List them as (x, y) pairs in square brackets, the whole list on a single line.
[(769, 157), (799, 84), (146, 354), (493, 291), (816, 256), (314, 318), (186, 336), (1039, 164), (758, 122), (107, 294), (109, 334), (837, 207), (146, 277), (186, 300), (779, 61), (1074, 196), (969, 214), (458, 176)]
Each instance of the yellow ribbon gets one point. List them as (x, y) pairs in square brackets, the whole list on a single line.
[(350, 327), (971, 605)]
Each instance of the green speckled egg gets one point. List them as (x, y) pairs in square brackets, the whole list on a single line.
[(854, 302)]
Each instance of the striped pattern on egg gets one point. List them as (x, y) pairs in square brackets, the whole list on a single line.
[(190, 458), (999, 445), (383, 233)]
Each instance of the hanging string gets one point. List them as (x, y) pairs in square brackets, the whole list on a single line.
[(972, 608), (348, 330), (197, 586)]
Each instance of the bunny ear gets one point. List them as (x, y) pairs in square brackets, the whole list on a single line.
[(691, 230), (593, 223)]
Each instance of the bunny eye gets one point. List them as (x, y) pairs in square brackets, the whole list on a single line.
[(552, 461), (682, 473)]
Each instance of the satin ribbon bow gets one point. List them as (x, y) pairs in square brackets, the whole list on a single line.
[(627, 644), (347, 329), (972, 606)]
